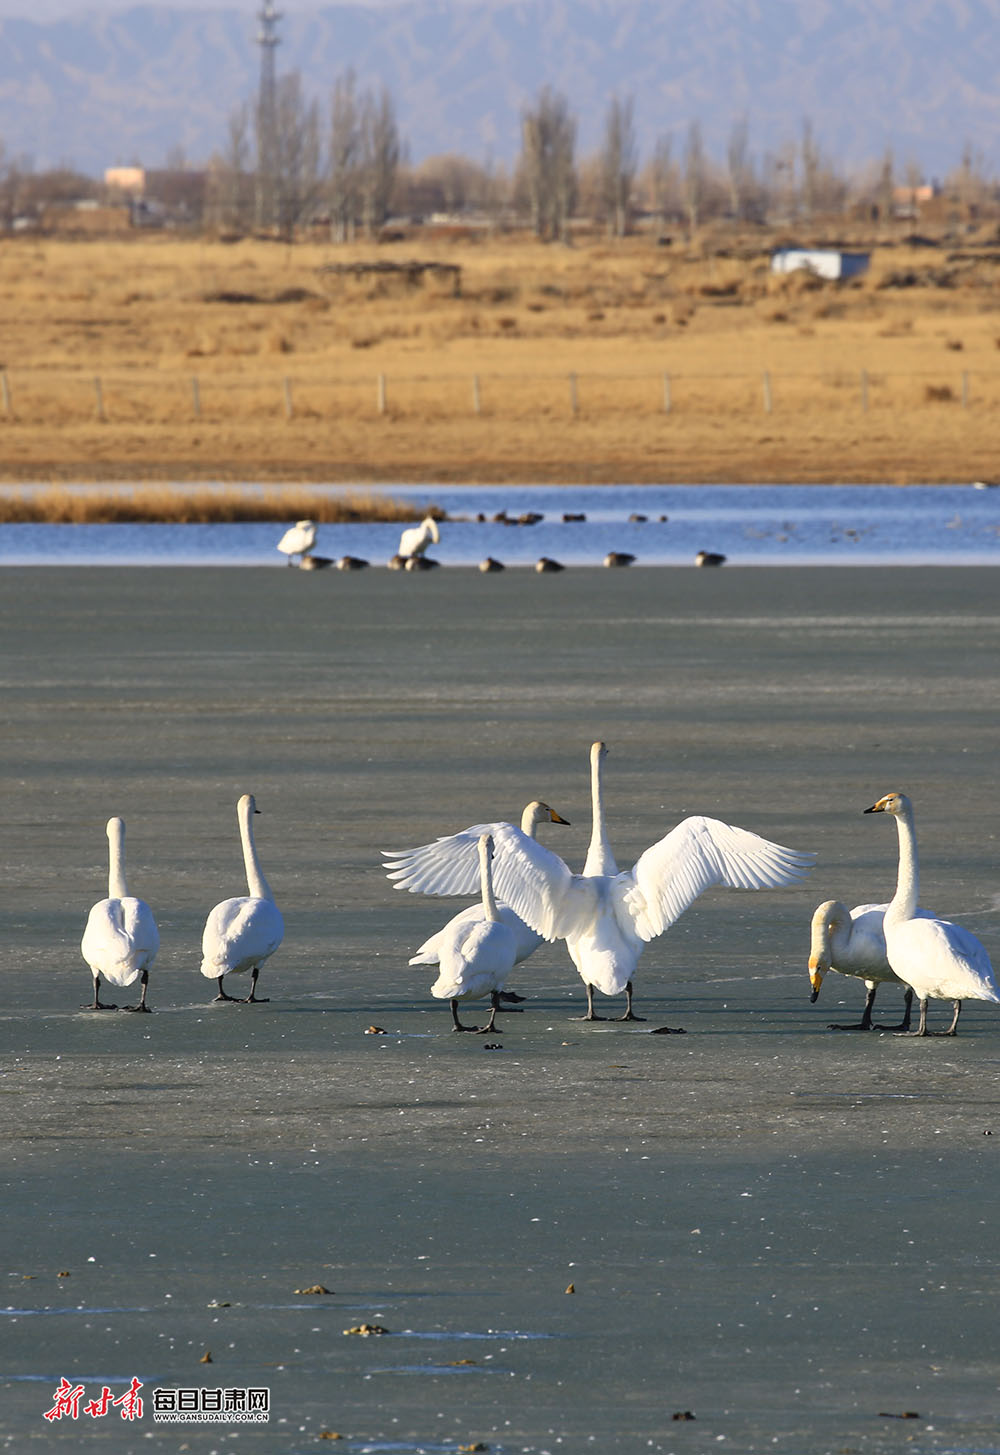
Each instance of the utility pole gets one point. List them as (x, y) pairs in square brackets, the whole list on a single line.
[(268, 179)]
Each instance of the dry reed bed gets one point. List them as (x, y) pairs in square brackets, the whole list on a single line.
[(220, 505)]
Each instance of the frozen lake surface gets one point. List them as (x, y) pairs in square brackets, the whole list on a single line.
[(786, 1231), (762, 525)]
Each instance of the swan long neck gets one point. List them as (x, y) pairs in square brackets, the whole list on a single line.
[(530, 819), (486, 879), (905, 900), (256, 883), (117, 888), (600, 859)]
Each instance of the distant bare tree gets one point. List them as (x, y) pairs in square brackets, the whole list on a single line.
[(618, 161), (810, 161), (380, 156), (548, 174), (345, 159), (885, 187), (739, 171), (661, 179), (297, 153), (230, 187), (695, 175)]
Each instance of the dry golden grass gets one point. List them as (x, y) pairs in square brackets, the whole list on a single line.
[(51, 505), (246, 362)]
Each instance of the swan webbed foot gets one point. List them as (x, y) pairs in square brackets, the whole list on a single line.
[(98, 1005), (590, 1016), (629, 1014), (854, 1026), (512, 997), (142, 1007)]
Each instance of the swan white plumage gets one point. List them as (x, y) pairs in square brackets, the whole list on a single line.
[(241, 933), (607, 917), (415, 540), (852, 942), (939, 959), (121, 939), (475, 957), (298, 540), (526, 940)]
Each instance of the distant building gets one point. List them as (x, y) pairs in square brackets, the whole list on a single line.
[(823, 262), (126, 179)]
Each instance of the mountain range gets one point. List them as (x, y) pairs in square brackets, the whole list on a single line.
[(95, 88)]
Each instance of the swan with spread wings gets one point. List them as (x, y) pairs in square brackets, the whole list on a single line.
[(605, 916)]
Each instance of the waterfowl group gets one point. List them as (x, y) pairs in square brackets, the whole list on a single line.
[(527, 895), (605, 916)]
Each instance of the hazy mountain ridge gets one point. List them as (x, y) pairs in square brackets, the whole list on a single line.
[(922, 78)]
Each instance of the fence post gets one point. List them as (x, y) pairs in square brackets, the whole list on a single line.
[(195, 396), (767, 392), (864, 391), (5, 389), (288, 398), (381, 394), (666, 394), (99, 396), (574, 403), (477, 407)]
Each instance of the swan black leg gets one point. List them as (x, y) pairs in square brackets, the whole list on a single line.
[(590, 1016), (629, 1016), (953, 1028), (904, 1024), (490, 1024), (922, 1025), (222, 994), (252, 998), (458, 1026), (865, 1023), (97, 1003), (142, 1006)]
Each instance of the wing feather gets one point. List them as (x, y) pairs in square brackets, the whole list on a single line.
[(449, 865), (694, 856)]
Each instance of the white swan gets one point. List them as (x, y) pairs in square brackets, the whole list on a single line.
[(852, 942), (121, 939), (414, 542), (526, 940), (241, 933), (940, 960), (298, 540), (476, 957), (607, 917)]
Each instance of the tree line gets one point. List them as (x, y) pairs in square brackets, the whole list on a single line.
[(342, 167)]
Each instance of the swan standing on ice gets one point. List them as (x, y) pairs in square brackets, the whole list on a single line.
[(414, 542), (852, 942), (121, 938), (940, 960), (298, 540), (241, 933), (526, 940), (607, 917), (475, 957)]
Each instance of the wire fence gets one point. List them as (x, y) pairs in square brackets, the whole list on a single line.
[(132, 397)]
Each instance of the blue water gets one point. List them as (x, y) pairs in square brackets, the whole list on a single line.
[(762, 525)]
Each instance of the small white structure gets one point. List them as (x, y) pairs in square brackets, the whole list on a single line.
[(823, 262)]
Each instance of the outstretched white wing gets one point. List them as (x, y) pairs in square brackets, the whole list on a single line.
[(694, 856), (450, 865)]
